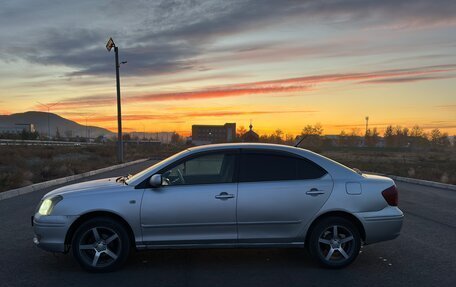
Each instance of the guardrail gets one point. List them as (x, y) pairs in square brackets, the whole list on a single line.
[(43, 143), (38, 186), (416, 181)]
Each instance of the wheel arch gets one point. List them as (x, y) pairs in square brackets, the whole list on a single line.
[(337, 213), (94, 214)]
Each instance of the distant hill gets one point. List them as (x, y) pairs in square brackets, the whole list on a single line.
[(67, 128)]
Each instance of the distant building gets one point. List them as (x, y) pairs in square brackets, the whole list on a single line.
[(17, 128), (207, 134), (250, 136)]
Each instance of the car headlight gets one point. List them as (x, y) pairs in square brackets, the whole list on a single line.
[(48, 204)]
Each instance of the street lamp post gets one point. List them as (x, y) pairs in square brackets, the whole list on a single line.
[(109, 46)]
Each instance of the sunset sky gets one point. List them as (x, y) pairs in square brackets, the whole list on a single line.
[(282, 64)]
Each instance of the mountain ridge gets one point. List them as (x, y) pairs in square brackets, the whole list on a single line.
[(66, 127)]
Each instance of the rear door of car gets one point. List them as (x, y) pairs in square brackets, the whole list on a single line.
[(278, 193)]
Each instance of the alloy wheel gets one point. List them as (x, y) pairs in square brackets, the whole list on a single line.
[(336, 243), (100, 246)]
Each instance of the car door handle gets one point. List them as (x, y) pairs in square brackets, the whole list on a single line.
[(224, 195), (314, 192)]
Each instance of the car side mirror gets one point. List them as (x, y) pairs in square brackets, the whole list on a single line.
[(156, 180)]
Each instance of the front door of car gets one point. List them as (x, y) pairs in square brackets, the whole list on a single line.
[(195, 204), (277, 195)]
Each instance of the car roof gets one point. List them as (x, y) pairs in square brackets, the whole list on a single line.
[(244, 145), (335, 168)]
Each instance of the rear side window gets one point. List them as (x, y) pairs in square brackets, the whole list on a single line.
[(275, 167), (307, 169)]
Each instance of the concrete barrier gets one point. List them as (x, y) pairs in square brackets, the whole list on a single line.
[(38, 186), (416, 181)]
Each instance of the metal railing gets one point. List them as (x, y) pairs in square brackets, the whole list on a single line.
[(43, 143)]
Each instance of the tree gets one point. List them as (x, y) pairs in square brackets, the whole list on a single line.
[(416, 131), (439, 139), (371, 138), (435, 136), (353, 138), (240, 132), (278, 133), (289, 139), (401, 136), (276, 137), (343, 138), (176, 138), (309, 130), (418, 138), (311, 136), (126, 137), (389, 136)]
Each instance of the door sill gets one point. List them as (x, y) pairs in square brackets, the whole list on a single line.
[(161, 245)]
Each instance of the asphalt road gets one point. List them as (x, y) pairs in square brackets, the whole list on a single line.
[(424, 254)]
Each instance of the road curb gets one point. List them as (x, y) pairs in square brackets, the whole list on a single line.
[(417, 181), (38, 186)]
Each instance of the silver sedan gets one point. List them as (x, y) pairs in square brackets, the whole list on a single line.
[(226, 195)]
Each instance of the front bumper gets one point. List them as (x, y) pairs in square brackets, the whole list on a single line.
[(50, 231), (381, 225)]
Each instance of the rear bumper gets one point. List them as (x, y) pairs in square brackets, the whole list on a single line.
[(50, 232), (382, 225)]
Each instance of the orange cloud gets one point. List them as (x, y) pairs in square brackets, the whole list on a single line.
[(294, 84), (272, 87), (407, 79), (235, 113), (218, 93), (361, 76), (80, 102), (177, 116)]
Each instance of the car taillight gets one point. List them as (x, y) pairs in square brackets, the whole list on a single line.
[(391, 195)]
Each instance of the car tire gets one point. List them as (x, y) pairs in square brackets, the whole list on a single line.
[(334, 242), (101, 245)]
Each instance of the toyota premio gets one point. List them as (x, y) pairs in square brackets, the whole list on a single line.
[(224, 195)]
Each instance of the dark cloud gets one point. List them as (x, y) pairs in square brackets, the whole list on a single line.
[(165, 37)]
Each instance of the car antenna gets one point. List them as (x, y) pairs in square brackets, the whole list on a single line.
[(300, 141)]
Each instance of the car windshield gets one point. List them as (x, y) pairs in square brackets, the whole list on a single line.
[(147, 170)]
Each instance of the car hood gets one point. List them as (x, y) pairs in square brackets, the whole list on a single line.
[(100, 185)]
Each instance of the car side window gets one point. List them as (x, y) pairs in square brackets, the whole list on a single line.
[(274, 167), (205, 169), (307, 169)]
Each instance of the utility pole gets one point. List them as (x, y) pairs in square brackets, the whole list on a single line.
[(367, 123), (48, 107), (109, 46)]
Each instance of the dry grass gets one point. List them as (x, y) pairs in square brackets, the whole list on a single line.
[(24, 165), (434, 165)]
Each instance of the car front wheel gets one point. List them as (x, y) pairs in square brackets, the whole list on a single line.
[(334, 242), (101, 244)]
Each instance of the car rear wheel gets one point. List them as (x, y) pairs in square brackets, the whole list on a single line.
[(334, 242), (101, 245)]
